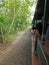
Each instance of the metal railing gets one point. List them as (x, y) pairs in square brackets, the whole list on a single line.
[(41, 54)]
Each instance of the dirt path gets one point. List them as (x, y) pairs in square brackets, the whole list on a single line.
[(19, 53)]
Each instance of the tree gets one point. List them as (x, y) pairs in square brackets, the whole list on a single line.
[(14, 16)]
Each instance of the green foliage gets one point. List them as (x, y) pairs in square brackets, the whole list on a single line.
[(14, 15)]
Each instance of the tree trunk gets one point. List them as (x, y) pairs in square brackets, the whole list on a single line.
[(1, 35), (11, 24)]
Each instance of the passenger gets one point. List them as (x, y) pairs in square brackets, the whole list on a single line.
[(47, 34), (38, 32)]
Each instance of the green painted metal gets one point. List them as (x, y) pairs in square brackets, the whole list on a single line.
[(44, 17), (40, 50)]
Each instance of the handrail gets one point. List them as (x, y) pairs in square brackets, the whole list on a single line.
[(41, 54)]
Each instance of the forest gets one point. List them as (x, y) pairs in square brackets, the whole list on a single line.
[(15, 16)]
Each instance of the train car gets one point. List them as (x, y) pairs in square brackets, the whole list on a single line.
[(41, 22)]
